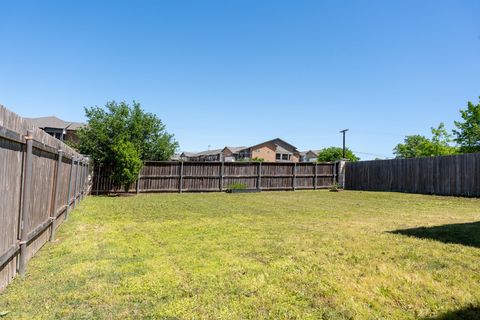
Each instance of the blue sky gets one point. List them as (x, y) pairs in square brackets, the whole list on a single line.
[(240, 72)]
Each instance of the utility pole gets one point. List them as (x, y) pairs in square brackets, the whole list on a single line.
[(343, 132)]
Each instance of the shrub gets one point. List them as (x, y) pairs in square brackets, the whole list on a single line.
[(237, 186)]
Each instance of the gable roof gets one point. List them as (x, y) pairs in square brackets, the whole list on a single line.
[(235, 149), (201, 153), (54, 122), (315, 152), (278, 142)]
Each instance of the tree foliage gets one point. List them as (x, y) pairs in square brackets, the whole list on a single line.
[(468, 133), (121, 136), (421, 146), (336, 153)]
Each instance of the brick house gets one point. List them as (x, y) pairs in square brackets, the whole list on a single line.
[(275, 150)]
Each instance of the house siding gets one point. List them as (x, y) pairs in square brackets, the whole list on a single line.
[(266, 152)]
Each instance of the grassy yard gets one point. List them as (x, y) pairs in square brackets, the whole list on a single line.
[(276, 255)]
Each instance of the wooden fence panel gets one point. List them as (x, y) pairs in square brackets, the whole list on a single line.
[(43, 175), (11, 158), (456, 175), (168, 176), (27, 219)]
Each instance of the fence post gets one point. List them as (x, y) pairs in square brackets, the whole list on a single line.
[(315, 175), (98, 179), (180, 183), (69, 192), (75, 193), (53, 212), (259, 176), (27, 178), (334, 173), (138, 184), (340, 172), (222, 168), (294, 180), (82, 180), (80, 173), (87, 173)]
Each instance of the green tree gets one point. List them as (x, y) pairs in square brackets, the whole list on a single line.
[(421, 146), (126, 163), (335, 153), (468, 133), (121, 136)]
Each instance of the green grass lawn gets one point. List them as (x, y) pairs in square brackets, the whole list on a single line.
[(275, 255)]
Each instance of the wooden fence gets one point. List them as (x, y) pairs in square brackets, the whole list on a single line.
[(218, 176), (457, 175), (41, 180)]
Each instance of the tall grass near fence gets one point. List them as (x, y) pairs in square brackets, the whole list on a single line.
[(188, 176), (41, 179)]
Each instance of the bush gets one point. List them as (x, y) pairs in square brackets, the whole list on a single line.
[(127, 164), (237, 186), (120, 137), (332, 154)]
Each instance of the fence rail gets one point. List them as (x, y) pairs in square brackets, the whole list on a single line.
[(41, 180), (457, 175), (159, 176)]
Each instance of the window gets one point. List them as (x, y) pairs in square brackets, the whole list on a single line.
[(283, 156)]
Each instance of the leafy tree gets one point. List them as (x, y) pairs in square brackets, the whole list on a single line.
[(335, 153), (127, 163), (421, 146), (468, 133), (121, 136), (258, 159)]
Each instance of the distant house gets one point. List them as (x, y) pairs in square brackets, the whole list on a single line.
[(208, 155), (275, 150), (231, 154), (309, 156), (58, 128)]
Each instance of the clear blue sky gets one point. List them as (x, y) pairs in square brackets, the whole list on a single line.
[(240, 72)]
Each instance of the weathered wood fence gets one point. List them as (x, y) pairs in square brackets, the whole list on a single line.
[(457, 175), (159, 176), (41, 180)]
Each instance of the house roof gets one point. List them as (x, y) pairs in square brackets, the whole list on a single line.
[(281, 146), (202, 153), (279, 142), (279, 149), (188, 154), (54, 122), (209, 152), (315, 152), (235, 149)]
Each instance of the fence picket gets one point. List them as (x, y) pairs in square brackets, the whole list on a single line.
[(157, 176), (444, 175)]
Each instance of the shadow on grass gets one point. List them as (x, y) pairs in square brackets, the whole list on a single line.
[(467, 234), (468, 313)]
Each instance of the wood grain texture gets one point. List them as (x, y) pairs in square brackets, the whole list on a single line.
[(13, 129), (158, 176), (457, 175)]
